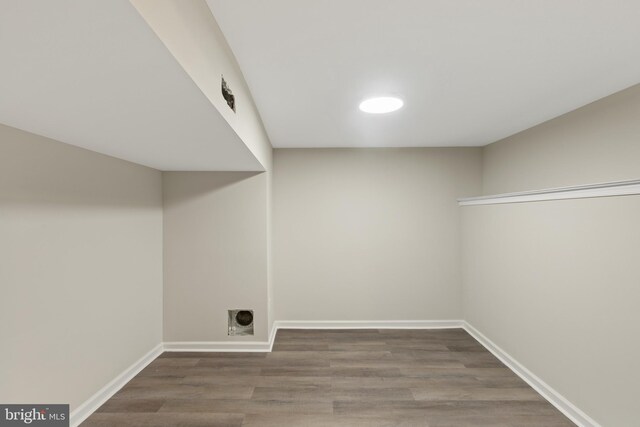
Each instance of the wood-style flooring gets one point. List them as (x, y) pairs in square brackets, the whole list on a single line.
[(364, 378)]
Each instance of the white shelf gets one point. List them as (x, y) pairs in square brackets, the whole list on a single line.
[(608, 189)]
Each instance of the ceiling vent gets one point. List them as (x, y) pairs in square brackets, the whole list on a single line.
[(228, 95)]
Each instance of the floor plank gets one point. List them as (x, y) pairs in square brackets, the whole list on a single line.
[(372, 378)]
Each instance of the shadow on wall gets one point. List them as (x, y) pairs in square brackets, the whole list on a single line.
[(38, 171), (201, 184)]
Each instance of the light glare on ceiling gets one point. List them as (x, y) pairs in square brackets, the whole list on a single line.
[(381, 105)]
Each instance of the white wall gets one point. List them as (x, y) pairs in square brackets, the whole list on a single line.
[(555, 283), (370, 234), (595, 143), (80, 268), (215, 253), (191, 33)]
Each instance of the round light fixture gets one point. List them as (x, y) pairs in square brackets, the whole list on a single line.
[(381, 105)]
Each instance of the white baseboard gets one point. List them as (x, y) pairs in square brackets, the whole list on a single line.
[(266, 346), (272, 335), (87, 408), (368, 324), (556, 399), (224, 346)]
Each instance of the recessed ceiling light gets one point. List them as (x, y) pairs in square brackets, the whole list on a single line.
[(381, 105)]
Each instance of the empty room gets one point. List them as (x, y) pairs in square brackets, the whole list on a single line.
[(360, 213)]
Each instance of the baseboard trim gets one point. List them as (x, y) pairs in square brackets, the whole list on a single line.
[(272, 335), (267, 346), (369, 324), (556, 399), (89, 406), (217, 346)]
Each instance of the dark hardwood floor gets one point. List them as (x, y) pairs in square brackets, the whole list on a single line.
[(369, 378)]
